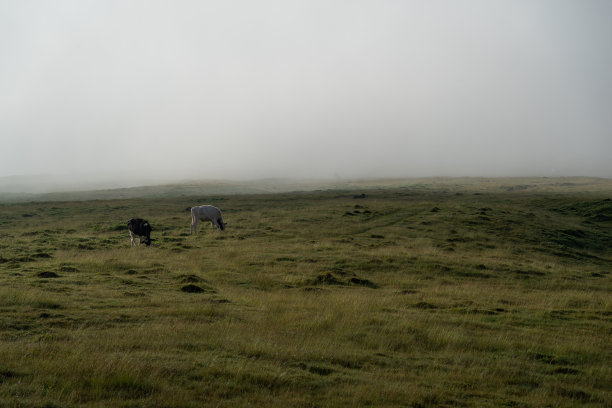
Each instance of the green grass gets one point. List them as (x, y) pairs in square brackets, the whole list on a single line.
[(424, 293)]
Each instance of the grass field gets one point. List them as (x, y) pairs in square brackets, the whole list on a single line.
[(423, 293)]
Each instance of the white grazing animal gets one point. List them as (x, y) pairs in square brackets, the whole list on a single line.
[(206, 213)]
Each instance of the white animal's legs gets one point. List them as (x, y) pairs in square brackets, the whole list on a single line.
[(133, 241), (194, 224)]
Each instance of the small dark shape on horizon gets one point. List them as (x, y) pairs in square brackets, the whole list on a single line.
[(362, 195)]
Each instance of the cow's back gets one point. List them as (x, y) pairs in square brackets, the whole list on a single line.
[(139, 226), (206, 212)]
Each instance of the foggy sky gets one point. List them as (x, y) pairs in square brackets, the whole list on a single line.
[(334, 88)]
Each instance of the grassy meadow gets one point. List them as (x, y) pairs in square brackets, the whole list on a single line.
[(430, 293)]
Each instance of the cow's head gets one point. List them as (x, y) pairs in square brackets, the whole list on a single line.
[(147, 230)]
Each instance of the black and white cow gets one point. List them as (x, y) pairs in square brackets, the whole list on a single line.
[(141, 228), (206, 213)]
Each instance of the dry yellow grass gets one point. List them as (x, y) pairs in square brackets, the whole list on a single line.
[(415, 296)]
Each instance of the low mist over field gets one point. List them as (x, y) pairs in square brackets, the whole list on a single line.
[(308, 89)]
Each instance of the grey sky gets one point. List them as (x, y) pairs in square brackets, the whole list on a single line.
[(248, 89)]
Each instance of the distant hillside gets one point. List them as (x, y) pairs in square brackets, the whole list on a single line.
[(51, 183), (220, 187)]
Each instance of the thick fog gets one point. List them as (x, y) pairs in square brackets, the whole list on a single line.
[(315, 88)]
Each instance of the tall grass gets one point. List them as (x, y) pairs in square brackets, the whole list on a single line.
[(414, 296)]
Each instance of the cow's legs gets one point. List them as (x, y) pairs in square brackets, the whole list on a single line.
[(132, 239), (194, 225)]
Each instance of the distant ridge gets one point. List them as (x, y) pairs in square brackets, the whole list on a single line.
[(51, 183), (269, 186)]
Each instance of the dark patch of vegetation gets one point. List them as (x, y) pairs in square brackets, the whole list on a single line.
[(42, 255), (122, 385), (9, 374), (320, 370), (326, 279), (425, 305), (344, 279), (575, 394), (47, 275), (566, 371), (362, 282), (69, 269), (192, 289), (529, 273), (550, 359)]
